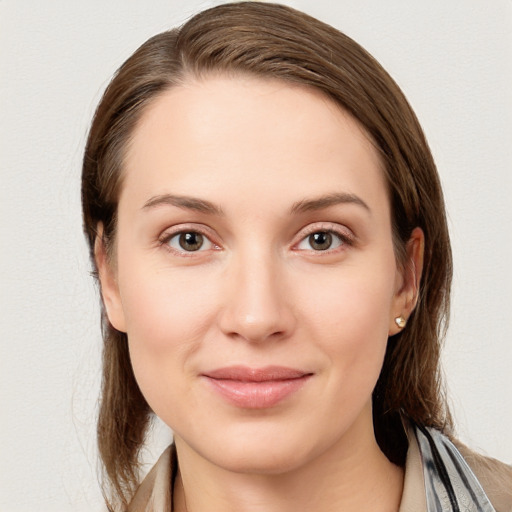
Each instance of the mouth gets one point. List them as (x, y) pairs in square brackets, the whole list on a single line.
[(256, 388)]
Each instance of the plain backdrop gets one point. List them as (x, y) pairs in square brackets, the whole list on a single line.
[(453, 60)]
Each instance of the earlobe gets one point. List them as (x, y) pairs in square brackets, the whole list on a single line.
[(108, 283), (407, 293)]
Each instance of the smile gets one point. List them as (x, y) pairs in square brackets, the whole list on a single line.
[(256, 388)]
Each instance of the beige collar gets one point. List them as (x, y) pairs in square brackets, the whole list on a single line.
[(413, 495)]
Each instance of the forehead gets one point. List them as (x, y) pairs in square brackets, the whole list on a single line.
[(252, 134)]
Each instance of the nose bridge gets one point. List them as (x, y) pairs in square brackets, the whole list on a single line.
[(256, 307)]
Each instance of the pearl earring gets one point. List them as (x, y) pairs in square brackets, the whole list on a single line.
[(400, 321)]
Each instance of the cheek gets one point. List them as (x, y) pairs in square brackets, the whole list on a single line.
[(167, 316), (348, 317), (165, 308), (352, 300)]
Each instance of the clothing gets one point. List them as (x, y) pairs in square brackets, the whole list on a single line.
[(479, 484)]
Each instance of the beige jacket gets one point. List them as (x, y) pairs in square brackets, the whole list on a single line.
[(154, 494)]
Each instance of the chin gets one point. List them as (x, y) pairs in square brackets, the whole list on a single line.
[(257, 458), (263, 451), (272, 444)]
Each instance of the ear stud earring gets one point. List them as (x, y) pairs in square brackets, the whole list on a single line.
[(400, 321)]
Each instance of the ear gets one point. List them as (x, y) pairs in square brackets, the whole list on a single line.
[(408, 281), (108, 283)]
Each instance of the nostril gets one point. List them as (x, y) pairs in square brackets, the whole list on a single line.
[(272, 324)]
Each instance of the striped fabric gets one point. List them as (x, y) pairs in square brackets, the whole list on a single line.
[(450, 484)]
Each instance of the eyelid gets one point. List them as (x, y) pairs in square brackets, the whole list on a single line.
[(344, 233), (169, 233)]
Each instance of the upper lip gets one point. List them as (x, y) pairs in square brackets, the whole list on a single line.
[(247, 374)]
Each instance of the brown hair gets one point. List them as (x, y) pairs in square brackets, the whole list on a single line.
[(275, 41)]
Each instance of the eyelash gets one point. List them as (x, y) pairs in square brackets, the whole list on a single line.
[(345, 239), (166, 238)]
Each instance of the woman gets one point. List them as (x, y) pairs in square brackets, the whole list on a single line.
[(269, 233)]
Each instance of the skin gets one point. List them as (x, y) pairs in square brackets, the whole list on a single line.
[(258, 293)]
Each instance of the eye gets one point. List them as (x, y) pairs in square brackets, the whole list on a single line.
[(322, 241), (189, 241)]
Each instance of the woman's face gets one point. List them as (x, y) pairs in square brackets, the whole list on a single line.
[(254, 272)]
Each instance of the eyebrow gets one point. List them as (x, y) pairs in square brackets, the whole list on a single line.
[(303, 206), (319, 203), (185, 202)]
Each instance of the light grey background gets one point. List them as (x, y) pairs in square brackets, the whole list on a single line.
[(452, 58)]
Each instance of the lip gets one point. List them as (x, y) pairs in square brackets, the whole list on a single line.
[(256, 388)]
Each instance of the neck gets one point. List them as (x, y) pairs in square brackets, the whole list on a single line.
[(352, 476)]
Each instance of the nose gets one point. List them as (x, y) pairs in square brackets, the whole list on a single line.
[(257, 304)]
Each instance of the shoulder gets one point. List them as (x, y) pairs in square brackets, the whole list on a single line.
[(494, 476)]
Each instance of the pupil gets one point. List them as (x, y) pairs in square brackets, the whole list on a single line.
[(191, 241), (320, 241)]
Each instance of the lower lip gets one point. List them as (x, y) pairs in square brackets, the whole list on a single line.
[(256, 395)]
